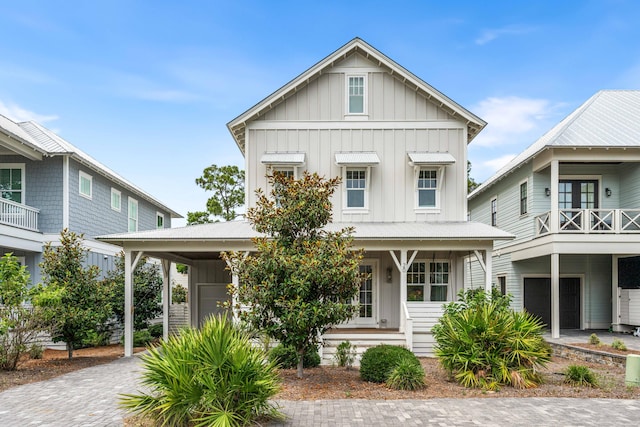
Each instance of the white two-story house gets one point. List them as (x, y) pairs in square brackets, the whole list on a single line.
[(572, 199), (400, 147)]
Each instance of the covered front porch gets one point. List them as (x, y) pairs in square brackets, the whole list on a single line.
[(413, 269)]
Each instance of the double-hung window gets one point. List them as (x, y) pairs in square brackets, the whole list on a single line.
[(427, 187), (523, 198), (116, 200), (428, 281), (494, 212), (159, 220), (12, 182), (86, 184), (133, 215), (356, 98), (356, 184)]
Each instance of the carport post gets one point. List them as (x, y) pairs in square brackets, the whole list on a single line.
[(555, 295), (166, 298), (129, 267)]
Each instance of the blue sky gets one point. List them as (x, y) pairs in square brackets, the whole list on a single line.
[(147, 87)]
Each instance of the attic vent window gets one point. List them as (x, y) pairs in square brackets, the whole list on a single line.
[(356, 94)]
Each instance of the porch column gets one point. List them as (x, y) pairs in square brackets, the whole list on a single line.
[(487, 270), (555, 215), (403, 266), (555, 295), (130, 261), (615, 294), (166, 297)]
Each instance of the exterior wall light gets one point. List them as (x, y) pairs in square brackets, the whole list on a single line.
[(607, 191), (389, 275), (547, 191)]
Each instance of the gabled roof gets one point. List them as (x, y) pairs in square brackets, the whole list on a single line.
[(610, 118), (237, 126), (44, 141)]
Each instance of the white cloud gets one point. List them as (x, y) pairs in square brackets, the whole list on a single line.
[(19, 114), (510, 117), (493, 33)]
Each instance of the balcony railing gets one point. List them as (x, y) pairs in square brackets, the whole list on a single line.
[(17, 215), (612, 221)]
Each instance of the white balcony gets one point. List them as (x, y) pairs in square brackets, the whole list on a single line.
[(18, 215), (590, 221)]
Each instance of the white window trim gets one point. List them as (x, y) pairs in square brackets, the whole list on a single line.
[(494, 198), (85, 175), (20, 166), (367, 186), (119, 207), (439, 178), (365, 97), (524, 181), (427, 285), (159, 215), (131, 201)]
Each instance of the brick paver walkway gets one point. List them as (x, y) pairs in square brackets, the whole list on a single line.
[(89, 398)]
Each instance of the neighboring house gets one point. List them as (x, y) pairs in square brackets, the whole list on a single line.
[(47, 185), (400, 147), (572, 199)]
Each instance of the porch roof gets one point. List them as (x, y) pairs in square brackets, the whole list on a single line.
[(392, 231)]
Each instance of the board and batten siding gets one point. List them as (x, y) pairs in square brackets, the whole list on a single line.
[(323, 98), (392, 187)]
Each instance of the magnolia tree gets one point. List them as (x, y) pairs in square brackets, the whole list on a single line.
[(302, 279)]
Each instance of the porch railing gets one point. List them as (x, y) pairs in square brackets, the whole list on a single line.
[(612, 221), (18, 215), (408, 326)]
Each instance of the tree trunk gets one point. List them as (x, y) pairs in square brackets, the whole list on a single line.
[(300, 363), (70, 349)]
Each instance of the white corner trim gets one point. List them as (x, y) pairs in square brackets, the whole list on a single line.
[(65, 192)]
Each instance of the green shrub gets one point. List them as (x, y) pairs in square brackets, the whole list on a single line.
[(593, 339), (580, 375), (345, 354), (378, 362), (287, 358), (178, 294), (211, 376), (36, 351), (618, 344), (156, 330), (140, 338), (482, 343), (94, 338), (407, 376)]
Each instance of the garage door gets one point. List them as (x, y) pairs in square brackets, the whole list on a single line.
[(537, 300)]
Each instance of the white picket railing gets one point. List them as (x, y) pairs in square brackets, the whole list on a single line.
[(612, 221), (18, 215)]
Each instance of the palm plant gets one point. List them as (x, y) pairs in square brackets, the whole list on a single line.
[(207, 377), (482, 343)]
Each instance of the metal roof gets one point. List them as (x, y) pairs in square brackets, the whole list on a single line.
[(426, 158), (610, 118), (282, 158), (357, 159), (43, 140), (242, 230)]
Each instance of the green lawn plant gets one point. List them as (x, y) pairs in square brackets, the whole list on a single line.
[(594, 339), (378, 362), (618, 344), (482, 343), (407, 376), (211, 376), (345, 354), (286, 357), (580, 375)]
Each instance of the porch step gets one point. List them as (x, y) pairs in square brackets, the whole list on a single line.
[(362, 341)]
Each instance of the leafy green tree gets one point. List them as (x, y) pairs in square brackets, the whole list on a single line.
[(471, 183), (75, 302), (302, 279), (227, 185), (147, 291), (19, 323)]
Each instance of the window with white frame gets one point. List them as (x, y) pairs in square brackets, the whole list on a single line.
[(502, 284), (356, 99), (133, 214), (12, 182), (494, 212), (523, 198), (356, 186), (85, 185), (159, 220), (427, 188), (431, 285), (116, 200)]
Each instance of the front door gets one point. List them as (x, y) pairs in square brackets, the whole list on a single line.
[(367, 298), (537, 300), (210, 297)]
